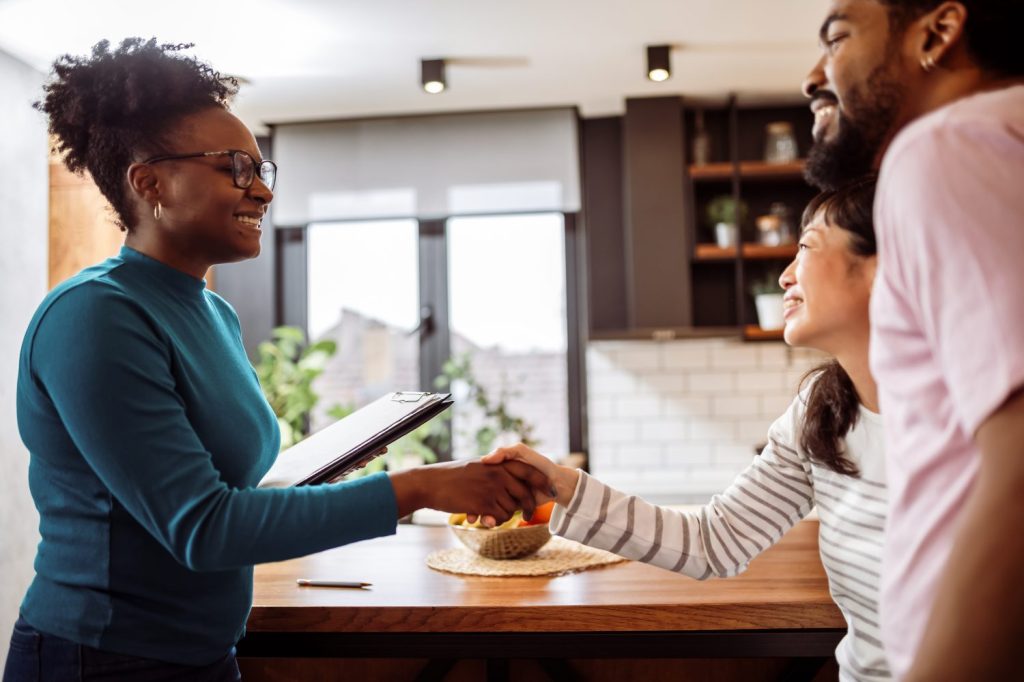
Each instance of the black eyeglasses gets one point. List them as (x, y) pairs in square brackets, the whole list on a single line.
[(243, 166)]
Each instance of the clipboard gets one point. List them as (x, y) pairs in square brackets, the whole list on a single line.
[(353, 441)]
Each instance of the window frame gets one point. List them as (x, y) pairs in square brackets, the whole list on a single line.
[(292, 297)]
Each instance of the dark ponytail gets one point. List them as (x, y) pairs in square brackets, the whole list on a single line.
[(832, 401)]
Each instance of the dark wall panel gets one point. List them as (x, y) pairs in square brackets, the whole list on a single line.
[(657, 243), (603, 222)]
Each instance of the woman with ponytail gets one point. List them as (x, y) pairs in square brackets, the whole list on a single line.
[(825, 451)]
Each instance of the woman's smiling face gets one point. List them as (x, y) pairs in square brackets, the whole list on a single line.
[(828, 287), (205, 215)]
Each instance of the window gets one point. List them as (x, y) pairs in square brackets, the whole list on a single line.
[(495, 289), (362, 292), (507, 285)]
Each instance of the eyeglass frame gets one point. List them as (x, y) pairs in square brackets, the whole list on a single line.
[(257, 172)]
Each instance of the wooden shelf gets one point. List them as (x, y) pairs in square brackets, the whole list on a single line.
[(713, 252), (712, 171), (663, 334), (749, 170), (762, 252), (752, 332)]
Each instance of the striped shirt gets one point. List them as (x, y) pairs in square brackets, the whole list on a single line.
[(777, 490)]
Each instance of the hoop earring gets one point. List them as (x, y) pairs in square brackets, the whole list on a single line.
[(928, 63), (158, 211)]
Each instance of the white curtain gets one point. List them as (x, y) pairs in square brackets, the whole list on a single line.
[(427, 166)]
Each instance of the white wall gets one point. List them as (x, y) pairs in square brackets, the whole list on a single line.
[(676, 421), (23, 266)]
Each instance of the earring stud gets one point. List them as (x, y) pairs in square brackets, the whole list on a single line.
[(928, 63), (158, 211)]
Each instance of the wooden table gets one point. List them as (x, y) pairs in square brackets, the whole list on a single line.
[(780, 607)]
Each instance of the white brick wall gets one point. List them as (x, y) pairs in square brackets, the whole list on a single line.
[(676, 421)]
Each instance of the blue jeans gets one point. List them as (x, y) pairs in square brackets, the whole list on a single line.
[(37, 657)]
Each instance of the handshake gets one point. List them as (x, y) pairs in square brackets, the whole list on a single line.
[(493, 487)]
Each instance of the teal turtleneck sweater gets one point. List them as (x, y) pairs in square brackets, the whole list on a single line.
[(147, 433)]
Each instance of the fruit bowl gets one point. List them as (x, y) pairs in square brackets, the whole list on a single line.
[(503, 543)]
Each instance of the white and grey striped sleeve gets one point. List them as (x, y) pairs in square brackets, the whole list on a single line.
[(720, 539)]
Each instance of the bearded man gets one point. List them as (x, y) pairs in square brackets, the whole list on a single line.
[(932, 93)]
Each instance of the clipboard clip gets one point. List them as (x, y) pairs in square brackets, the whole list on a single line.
[(409, 396)]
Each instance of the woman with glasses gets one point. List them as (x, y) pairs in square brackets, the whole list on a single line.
[(145, 423)]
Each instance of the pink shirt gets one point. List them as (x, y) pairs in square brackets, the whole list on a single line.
[(947, 345)]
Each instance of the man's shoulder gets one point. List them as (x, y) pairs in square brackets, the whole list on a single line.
[(998, 112)]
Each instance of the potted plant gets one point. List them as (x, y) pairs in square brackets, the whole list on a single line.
[(768, 299), (498, 426), (726, 213), (286, 369)]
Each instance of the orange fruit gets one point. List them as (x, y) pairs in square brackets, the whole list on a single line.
[(542, 514)]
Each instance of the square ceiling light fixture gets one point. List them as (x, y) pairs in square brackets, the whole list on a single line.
[(659, 65), (432, 76)]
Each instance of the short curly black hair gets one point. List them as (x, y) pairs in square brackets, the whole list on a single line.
[(114, 107), (991, 30)]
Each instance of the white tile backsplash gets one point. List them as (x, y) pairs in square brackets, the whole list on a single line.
[(687, 406), (676, 421), (716, 383), (639, 406), (735, 405), (735, 357), (685, 356), (762, 380), (660, 431)]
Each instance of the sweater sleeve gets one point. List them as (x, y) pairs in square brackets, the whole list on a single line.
[(114, 393), (721, 538)]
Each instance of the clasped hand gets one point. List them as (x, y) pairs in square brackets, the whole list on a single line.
[(561, 479)]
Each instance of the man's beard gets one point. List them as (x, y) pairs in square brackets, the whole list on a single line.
[(854, 150)]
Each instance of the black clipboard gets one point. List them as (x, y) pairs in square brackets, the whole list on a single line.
[(351, 442)]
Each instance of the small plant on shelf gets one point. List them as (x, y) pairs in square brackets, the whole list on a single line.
[(768, 284), (767, 295), (726, 213), (724, 208)]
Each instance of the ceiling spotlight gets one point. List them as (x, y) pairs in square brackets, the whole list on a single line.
[(659, 68), (432, 75)]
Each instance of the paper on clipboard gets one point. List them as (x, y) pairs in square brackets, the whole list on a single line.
[(353, 441)]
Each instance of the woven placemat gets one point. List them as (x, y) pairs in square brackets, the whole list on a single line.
[(557, 557)]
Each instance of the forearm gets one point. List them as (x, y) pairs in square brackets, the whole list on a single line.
[(243, 527), (678, 541), (720, 539), (409, 493), (977, 622), (564, 480)]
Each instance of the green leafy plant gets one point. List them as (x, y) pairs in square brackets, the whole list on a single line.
[(286, 368), (768, 284), (497, 419), (724, 208), (418, 447)]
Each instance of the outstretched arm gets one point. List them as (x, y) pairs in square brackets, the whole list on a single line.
[(720, 539), (977, 623), (457, 486)]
